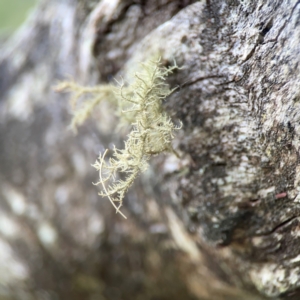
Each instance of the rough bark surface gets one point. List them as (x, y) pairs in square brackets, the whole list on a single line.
[(221, 222)]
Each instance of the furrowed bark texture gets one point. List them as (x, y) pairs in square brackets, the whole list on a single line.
[(220, 222)]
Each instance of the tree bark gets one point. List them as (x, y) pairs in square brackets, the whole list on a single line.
[(221, 221)]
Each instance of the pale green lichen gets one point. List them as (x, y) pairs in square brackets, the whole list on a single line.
[(152, 129), (93, 96)]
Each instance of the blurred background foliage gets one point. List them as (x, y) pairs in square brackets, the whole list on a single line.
[(13, 13)]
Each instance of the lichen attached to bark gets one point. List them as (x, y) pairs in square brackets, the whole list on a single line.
[(139, 104)]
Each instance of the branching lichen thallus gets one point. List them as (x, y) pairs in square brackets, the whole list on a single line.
[(151, 134)]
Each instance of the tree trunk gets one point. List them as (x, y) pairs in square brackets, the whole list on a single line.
[(220, 222)]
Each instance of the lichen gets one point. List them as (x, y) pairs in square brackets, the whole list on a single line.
[(139, 104), (93, 96)]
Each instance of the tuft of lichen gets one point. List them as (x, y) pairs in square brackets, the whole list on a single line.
[(139, 104), (151, 134), (93, 96)]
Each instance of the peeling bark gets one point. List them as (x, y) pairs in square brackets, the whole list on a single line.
[(221, 222)]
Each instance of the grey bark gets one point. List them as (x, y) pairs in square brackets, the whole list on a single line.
[(220, 222)]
